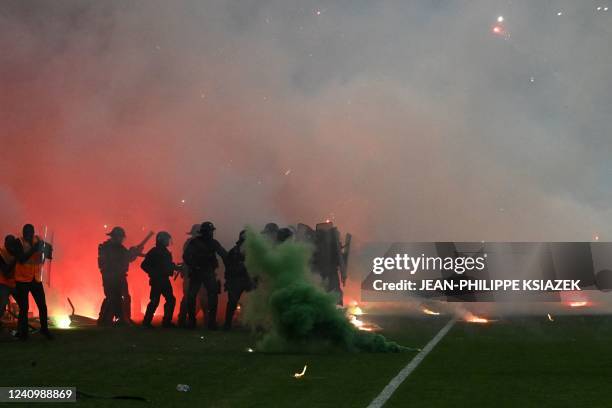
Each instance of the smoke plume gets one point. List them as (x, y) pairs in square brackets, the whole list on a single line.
[(294, 313)]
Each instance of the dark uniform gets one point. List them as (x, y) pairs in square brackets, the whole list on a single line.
[(200, 256), (201, 300), (114, 261), (328, 259), (237, 279), (159, 266)]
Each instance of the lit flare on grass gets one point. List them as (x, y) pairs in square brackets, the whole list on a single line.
[(61, 321), (472, 318), (355, 311), (429, 311), (364, 326), (300, 375)]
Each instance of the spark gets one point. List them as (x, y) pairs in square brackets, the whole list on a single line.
[(498, 30), (560, 13), (300, 375), (105, 226), (183, 201), (500, 19), (550, 318), (532, 80), (429, 311), (318, 12), (249, 350), (581, 303), (288, 172), (596, 238)]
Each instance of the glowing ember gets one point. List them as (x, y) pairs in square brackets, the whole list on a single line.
[(61, 322), (581, 303), (429, 311), (475, 319), (550, 318), (300, 375)]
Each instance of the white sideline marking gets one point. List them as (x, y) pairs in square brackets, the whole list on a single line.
[(386, 393)]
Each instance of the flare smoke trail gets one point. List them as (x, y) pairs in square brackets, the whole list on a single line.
[(293, 311)]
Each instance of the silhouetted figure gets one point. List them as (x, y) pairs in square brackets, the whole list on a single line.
[(182, 316), (114, 261), (7, 271), (284, 234), (270, 231), (200, 256), (32, 253), (159, 266), (330, 258), (237, 279)]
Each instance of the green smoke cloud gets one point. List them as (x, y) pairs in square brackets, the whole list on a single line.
[(289, 309)]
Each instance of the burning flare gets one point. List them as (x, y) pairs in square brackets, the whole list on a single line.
[(471, 318), (300, 375), (355, 311), (61, 321), (429, 311), (581, 303)]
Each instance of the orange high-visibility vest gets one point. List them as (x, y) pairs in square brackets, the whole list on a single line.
[(6, 281), (32, 268)]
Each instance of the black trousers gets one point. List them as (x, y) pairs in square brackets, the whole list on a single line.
[(207, 279), (234, 291), (182, 315), (160, 287), (126, 299), (22, 291), (116, 299)]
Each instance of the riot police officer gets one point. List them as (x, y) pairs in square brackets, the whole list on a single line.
[(114, 261), (237, 279), (159, 266), (200, 256)]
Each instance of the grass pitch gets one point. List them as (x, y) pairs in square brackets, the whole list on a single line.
[(511, 362)]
